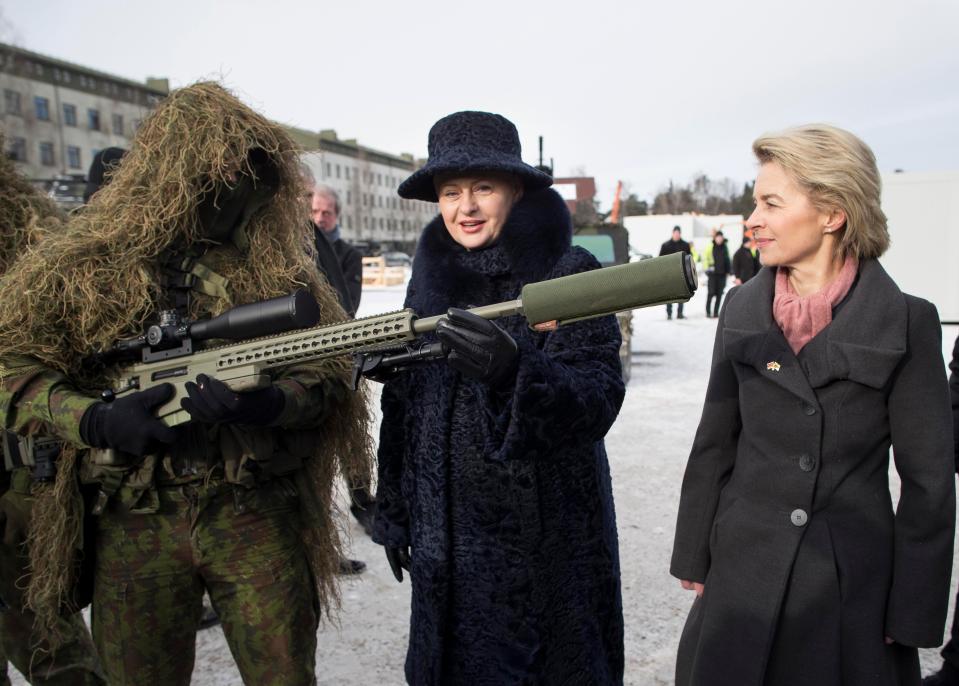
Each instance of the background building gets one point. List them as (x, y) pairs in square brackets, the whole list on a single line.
[(366, 181), (56, 115)]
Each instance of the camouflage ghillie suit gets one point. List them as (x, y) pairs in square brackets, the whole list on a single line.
[(24, 216), (239, 510)]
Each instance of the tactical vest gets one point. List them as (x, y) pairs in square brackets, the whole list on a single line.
[(240, 455)]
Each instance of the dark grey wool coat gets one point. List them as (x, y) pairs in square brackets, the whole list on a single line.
[(785, 511), (505, 495)]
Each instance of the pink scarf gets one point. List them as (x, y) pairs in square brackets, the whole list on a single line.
[(802, 318)]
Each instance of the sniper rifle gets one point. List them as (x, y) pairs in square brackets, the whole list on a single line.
[(270, 335)]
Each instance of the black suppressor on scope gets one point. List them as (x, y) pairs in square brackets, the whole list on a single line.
[(298, 310)]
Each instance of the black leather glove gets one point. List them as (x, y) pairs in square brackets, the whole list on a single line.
[(128, 424), (211, 401), (478, 348), (399, 559)]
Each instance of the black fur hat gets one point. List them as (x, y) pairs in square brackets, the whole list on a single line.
[(471, 142)]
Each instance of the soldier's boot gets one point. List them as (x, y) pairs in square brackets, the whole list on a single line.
[(209, 617)]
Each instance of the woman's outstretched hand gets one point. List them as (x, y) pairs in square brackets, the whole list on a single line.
[(693, 586)]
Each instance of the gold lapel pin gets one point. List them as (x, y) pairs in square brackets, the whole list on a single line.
[(773, 366)]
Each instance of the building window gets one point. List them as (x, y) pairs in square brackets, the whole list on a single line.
[(347, 173), (46, 154), (38, 69), (69, 114), (18, 149), (379, 201), (349, 222), (337, 171), (73, 156), (366, 222), (381, 222), (118, 124), (11, 100), (379, 182), (66, 77), (42, 107), (93, 119), (349, 196), (329, 170)]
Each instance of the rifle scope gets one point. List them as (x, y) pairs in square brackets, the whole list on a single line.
[(298, 310)]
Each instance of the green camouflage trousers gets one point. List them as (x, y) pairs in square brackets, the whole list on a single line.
[(75, 661), (246, 552)]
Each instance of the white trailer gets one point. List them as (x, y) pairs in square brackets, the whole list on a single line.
[(923, 259)]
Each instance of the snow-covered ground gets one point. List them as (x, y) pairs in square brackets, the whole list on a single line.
[(647, 449)]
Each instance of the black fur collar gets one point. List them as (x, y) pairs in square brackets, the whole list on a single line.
[(536, 234)]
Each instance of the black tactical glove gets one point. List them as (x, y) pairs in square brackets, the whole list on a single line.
[(478, 348), (212, 402), (399, 559), (128, 424)]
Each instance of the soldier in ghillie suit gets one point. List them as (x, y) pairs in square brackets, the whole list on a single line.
[(203, 214), (25, 215)]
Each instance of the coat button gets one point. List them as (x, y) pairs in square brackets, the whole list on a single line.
[(807, 462), (809, 409), (799, 517)]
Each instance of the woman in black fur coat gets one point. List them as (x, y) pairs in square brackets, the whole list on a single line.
[(494, 487)]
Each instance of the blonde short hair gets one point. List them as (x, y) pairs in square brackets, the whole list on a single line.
[(836, 170)]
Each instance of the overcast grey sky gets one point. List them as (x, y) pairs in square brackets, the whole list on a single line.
[(640, 91)]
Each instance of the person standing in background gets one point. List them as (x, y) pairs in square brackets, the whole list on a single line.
[(104, 163), (717, 266), (745, 262), (674, 245), (325, 212)]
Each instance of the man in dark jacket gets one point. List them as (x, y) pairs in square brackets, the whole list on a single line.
[(673, 245), (745, 262), (717, 269), (949, 674), (326, 216), (346, 277)]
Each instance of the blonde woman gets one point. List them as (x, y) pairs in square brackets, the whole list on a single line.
[(804, 573)]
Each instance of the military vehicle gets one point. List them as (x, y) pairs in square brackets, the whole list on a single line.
[(609, 243)]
